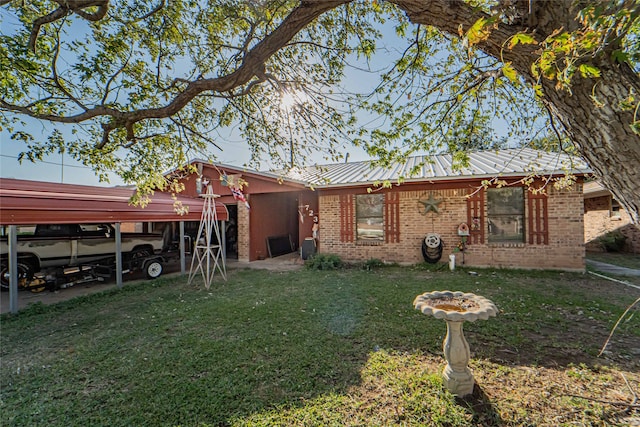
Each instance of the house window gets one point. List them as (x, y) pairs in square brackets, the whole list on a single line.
[(615, 209), (370, 217), (505, 212)]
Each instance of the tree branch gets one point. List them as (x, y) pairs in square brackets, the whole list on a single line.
[(53, 16), (56, 77), (153, 11), (66, 8), (252, 65), (178, 122), (103, 8)]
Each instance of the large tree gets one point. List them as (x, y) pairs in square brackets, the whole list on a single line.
[(144, 86)]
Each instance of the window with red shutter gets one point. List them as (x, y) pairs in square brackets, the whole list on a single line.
[(370, 218), (505, 215)]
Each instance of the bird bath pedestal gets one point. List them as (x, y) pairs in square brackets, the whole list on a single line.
[(455, 308)]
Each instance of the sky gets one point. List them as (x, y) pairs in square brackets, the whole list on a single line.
[(54, 168), (63, 169)]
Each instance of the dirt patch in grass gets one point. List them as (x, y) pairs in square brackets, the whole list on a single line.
[(578, 395), (554, 345)]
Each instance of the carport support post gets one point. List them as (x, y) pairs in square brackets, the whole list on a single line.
[(223, 243), (183, 263), (13, 268), (118, 256)]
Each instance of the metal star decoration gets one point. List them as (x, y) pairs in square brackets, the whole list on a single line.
[(430, 204)]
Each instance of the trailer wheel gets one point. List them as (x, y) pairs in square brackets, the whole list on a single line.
[(153, 269)]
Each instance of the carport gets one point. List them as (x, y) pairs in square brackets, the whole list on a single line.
[(34, 202)]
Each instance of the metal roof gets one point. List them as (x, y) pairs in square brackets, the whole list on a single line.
[(35, 202), (482, 164)]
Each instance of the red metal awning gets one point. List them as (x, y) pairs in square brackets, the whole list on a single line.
[(36, 202)]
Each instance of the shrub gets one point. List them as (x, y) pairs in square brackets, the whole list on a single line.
[(372, 264), (323, 262), (613, 241)]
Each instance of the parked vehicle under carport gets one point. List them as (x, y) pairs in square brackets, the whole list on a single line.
[(54, 255)]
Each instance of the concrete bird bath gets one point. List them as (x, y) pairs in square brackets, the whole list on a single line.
[(455, 308)]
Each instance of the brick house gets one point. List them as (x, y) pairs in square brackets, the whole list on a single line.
[(495, 226), (268, 224), (603, 215)]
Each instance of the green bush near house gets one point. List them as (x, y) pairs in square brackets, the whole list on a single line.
[(324, 262), (372, 264), (613, 241)]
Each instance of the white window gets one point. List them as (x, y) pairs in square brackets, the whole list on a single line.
[(370, 217), (505, 212), (615, 209)]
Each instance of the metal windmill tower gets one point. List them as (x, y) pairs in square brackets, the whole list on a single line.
[(208, 252)]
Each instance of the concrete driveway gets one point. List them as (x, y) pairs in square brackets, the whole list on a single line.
[(287, 262)]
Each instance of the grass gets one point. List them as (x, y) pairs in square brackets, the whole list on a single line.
[(616, 258), (318, 348)]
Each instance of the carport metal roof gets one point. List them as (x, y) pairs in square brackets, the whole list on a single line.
[(36, 202)]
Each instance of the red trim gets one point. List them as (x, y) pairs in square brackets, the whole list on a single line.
[(392, 217), (538, 219), (347, 217), (475, 209)]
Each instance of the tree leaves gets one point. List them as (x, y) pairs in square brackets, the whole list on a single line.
[(587, 71), (509, 72), (521, 38), (481, 30), (436, 92)]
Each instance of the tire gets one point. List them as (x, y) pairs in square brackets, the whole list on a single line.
[(153, 269), (431, 255), (432, 240), (135, 260), (25, 274), (139, 254)]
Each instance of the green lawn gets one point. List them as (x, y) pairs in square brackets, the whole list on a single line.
[(627, 260), (318, 348)]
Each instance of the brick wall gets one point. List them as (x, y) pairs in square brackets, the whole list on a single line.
[(243, 231), (131, 227), (565, 223), (598, 222)]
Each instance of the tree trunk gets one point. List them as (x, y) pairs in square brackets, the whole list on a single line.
[(601, 132)]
